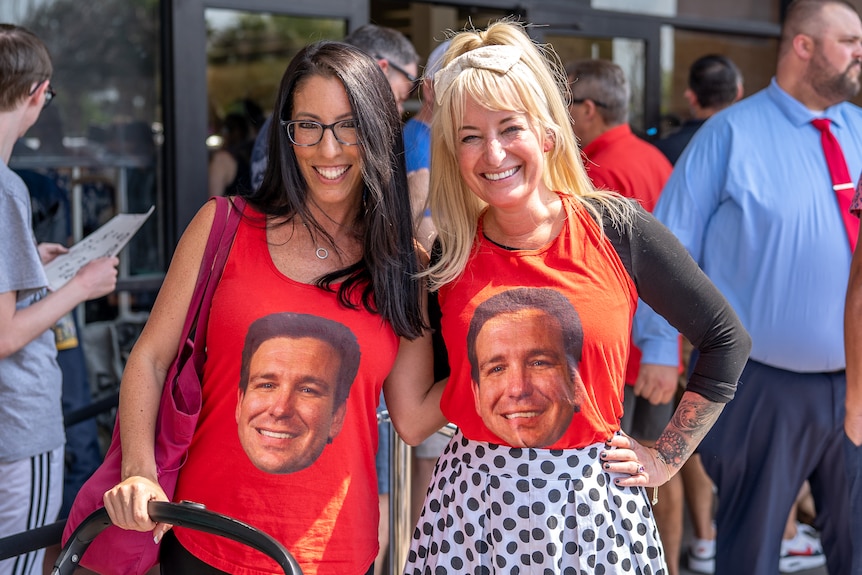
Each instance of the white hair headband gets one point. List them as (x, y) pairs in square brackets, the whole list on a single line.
[(496, 58)]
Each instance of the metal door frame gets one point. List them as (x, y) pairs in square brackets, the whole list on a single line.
[(583, 22)]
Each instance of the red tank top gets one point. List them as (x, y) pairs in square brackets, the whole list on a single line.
[(326, 514), (582, 265)]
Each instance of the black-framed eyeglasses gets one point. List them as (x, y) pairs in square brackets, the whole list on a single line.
[(49, 93), (309, 132), (413, 79), (596, 102)]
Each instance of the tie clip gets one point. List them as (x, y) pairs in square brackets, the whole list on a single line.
[(847, 186)]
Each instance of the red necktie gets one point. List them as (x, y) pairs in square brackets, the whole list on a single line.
[(841, 182)]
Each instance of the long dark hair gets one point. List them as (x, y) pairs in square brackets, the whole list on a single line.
[(384, 279)]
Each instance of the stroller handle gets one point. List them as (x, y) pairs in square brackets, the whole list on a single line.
[(185, 514)]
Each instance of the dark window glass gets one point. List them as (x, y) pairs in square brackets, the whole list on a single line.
[(97, 146)]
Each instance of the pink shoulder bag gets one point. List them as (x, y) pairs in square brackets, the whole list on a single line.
[(116, 551)]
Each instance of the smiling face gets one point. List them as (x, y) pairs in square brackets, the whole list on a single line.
[(287, 414), (332, 171), (500, 155), (525, 394)]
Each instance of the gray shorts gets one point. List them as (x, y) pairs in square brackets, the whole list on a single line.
[(31, 492), (641, 419)]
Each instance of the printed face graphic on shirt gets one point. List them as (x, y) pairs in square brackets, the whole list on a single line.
[(289, 411), (528, 388)]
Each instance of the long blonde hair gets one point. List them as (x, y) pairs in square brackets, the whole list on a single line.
[(537, 87)]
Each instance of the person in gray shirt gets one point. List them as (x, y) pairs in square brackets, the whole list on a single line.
[(31, 418)]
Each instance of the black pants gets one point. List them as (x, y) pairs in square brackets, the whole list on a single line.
[(174, 559), (782, 428)]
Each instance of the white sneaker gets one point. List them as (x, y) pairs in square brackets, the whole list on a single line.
[(802, 552), (701, 556)]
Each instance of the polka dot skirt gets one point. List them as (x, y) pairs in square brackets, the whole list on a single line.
[(505, 510)]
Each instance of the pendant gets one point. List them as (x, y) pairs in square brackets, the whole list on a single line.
[(321, 253)]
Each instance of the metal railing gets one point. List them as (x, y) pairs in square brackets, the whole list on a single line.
[(400, 490)]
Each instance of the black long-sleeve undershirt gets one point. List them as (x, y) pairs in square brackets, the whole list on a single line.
[(673, 285)]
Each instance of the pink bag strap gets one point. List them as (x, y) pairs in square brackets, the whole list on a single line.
[(219, 242)]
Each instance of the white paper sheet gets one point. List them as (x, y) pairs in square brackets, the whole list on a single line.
[(108, 240)]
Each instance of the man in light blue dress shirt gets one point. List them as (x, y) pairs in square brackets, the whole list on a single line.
[(752, 200)]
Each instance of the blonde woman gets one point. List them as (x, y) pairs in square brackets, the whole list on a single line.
[(519, 222)]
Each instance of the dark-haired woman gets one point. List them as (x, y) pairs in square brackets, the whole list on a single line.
[(328, 233)]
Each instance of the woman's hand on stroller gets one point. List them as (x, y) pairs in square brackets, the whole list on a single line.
[(127, 503)]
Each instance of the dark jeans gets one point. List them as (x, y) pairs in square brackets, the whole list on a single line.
[(781, 428)]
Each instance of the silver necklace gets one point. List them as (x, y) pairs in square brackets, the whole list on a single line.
[(320, 252)]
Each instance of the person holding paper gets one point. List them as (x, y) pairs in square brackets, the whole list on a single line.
[(31, 418)]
